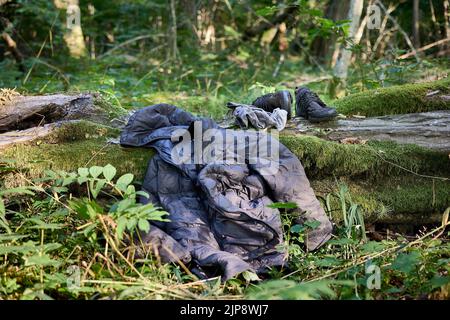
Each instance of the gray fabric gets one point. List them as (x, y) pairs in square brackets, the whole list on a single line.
[(219, 213), (162, 245), (251, 116)]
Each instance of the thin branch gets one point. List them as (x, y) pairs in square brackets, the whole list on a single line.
[(424, 48), (125, 43), (405, 35)]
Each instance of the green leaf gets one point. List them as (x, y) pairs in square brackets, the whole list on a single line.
[(124, 204), (89, 231), (144, 225), (250, 276), (29, 246), (123, 182), (121, 225), (109, 172), (131, 223), (266, 11), (17, 249), (439, 281), (39, 224), (92, 212), (372, 246), (68, 180), (229, 31), (314, 224), (41, 260), (131, 191), (328, 262), (86, 209), (82, 180), (143, 194), (283, 205), (12, 237), (95, 186), (298, 228), (95, 171), (406, 262), (19, 190), (83, 172), (289, 289), (2, 207)]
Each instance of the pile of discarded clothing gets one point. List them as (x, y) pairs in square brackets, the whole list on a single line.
[(274, 109), (221, 216)]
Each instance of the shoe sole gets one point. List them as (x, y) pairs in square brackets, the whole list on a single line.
[(321, 119)]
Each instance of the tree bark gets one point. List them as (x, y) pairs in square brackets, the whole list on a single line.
[(343, 62), (12, 47), (416, 18), (447, 22), (173, 31), (426, 129), (340, 71), (73, 35), (22, 112), (323, 47)]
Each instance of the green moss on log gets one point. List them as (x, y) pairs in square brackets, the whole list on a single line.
[(113, 111), (322, 158), (408, 98), (405, 199), (73, 145)]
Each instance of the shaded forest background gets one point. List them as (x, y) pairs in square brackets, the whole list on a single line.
[(133, 49)]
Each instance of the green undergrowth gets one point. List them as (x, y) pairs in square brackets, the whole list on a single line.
[(67, 235), (399, 99), (207, 105)]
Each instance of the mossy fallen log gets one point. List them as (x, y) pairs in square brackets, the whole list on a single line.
[(426, 129), (392, 200), (375, 159), (384, 178), (70, 146), (23, 112), (401, 99)]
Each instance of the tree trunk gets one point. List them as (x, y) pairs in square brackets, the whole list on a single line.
[(343, 61), (173, 30), (416, 32), (12, 47), (22, 112), (323, 47), (447, 23), (73, 35)]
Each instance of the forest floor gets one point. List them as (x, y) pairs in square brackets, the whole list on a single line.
[(48, 252)]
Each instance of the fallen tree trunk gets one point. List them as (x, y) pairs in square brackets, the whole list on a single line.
[(392, 183), (385, 192), (427, 129), (401, 99), (23, 112), (21, 136)]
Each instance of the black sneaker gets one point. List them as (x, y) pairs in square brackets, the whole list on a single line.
[(280, 99), (309, 106)]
